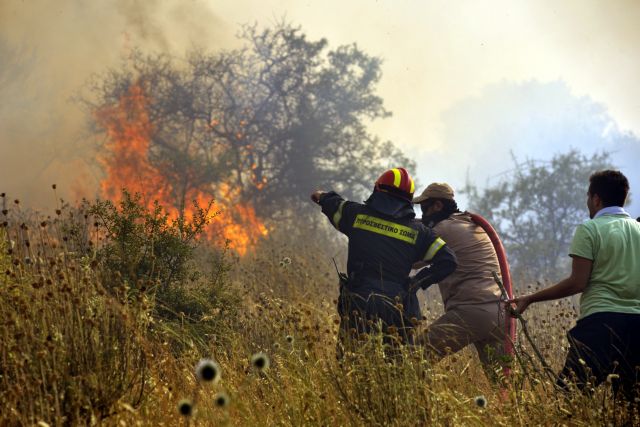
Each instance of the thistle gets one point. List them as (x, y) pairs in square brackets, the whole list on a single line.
[(185, 407), (481, 401), (260, 362), (221, 400), (208, 371), (285, 262)]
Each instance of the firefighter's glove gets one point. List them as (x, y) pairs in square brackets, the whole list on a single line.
[(426, 282), (316, 195), (423, 279), (423, 282)]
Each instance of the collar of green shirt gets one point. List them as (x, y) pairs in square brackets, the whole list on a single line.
[(611, 210)]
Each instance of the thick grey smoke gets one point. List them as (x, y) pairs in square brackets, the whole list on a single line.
[(530, 120), (48, 52)]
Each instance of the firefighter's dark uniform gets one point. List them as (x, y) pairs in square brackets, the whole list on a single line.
[(384, 242)]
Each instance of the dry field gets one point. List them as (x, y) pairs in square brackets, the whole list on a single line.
[(104, 322)]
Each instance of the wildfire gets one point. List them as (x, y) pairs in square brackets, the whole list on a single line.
[(129, 130)]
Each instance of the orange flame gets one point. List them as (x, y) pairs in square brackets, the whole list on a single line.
[(129, 131)]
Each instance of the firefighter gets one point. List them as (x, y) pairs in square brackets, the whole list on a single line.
[(384, 242), (471, 297)]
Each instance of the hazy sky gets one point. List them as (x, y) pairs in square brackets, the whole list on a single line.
[(438, 56), (439, 52)]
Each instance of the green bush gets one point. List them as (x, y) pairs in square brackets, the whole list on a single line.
[(144, 246), (147, 253)]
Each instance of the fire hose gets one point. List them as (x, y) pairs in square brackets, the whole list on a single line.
[(505, 284), (507, 288)]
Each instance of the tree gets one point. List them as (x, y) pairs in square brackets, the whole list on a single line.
[(536, 210), (270, 121)]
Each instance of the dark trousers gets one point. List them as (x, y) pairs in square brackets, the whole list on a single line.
[(604, 346), (371, 312)]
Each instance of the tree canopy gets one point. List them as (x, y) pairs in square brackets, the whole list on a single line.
[(272, 120), (536, 209)]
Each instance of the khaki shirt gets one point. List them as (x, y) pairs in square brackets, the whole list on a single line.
[(472, 282)]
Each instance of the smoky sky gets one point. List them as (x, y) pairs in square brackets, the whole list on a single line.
[(49, 51), (454, 73), (485, 136)]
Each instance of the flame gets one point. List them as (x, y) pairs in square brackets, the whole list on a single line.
[(129, 131)]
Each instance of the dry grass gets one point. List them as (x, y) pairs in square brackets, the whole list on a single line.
[(78, 351)]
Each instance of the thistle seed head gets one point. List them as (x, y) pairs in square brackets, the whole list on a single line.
[(221, 400), (208, 370), (480, 401), (185, 407), (260, 362)]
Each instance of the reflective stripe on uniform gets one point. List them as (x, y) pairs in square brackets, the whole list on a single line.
[(338, 215), (413, 186), (386, 228), (434, 248), (397, 177)]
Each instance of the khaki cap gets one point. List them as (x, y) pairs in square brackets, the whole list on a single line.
[(435, 190)]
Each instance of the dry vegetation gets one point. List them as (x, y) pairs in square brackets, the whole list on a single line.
[(93, 331)]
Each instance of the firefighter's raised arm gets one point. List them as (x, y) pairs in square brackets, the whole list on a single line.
[(333, 206)]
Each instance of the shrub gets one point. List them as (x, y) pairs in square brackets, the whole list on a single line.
[(147, 253), (142, 245), (70, 351)]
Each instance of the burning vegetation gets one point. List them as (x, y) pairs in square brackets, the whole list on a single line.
[(128, 165)]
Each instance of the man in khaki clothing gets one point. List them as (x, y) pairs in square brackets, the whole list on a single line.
[(473, 312)]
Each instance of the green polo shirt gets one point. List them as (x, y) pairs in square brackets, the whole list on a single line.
[(612, 242)]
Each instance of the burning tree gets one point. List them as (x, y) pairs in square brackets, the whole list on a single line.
[(256, 127), (176, 183)]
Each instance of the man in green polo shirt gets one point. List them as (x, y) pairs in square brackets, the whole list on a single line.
[(606, 270)]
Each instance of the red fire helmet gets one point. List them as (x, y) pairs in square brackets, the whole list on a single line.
[(397, 182)]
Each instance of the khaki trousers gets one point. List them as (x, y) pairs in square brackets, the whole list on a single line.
[(482, 325)]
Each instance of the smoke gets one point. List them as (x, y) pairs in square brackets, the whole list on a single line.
[(49, 51), (533, 120), (436, 54)]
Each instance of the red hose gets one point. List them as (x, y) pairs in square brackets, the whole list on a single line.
[(510, 324)]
